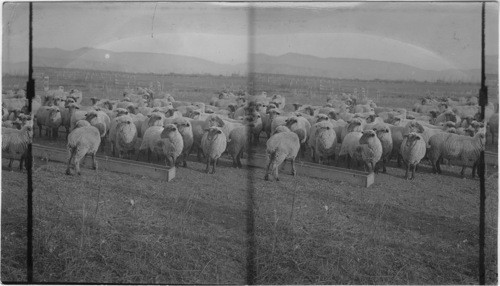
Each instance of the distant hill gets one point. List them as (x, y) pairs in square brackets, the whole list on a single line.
[(291, 64)]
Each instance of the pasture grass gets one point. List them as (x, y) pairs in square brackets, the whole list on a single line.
[(103, 227)]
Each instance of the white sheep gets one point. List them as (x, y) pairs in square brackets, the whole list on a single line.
[(82, 141), (412, 151), (355, 125), (213, 143), (150, 142), (239, 141), (493, 127), (311, 141), (50, 117), (385, 136), (125, 135), (15, 144), (171, 143), (283, 145), (101, 121), (186, 131), (370, 149), (451, 146), (75, 114), (349, 145), (325, 141), (153, 119)]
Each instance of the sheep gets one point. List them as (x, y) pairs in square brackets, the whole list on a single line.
[(356, 124), (82, 141), (171, 143), (311, 141), (279, 101), (412, 151), (213, 143), (125, 135), (101, 121), (154, 119), (76, 95), (385, 136), (282, 145), (493, 127), (17, 124), (370, 149), (75, 114), (15, 144), (150, 141), (50, 117), (349, 145), (13, 104), (325, 141), (186, 131), (199, 127), (276, 120), (239, 141), (451, 146)]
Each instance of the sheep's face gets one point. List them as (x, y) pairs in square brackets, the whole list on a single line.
[(213, 132), (367, 136), (54, 114), (296, 106), (370, 118), (89, 116), (274, 112), (73, 106), (381, 131), (291, 121), (321, 117), (332, 115), (270, 107)]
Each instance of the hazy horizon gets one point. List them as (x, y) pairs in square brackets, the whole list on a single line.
[(431, 36)]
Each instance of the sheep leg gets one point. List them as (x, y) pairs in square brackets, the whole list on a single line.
[(71, 155), (384, 170), (238, 159), (294, 172), (40, 130), (78, 157), (407, 172), (10, 163), (207, 169), (348, 158), (438, 166), (462, 172), (266, 177), (275, 168), (21, 161), (184, 163), (214, 163), (94, 162), (413, 171)]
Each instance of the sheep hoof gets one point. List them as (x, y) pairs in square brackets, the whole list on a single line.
[(184, 164), (68, 172), (266, 177), (277, 179)]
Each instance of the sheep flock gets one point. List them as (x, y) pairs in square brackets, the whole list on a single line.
[(345, 131)]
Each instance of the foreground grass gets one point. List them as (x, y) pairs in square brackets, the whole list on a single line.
[(104, 227)]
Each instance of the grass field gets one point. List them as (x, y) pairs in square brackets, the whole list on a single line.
[(235, 228)]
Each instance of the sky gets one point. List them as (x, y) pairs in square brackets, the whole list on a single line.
[(427, 35)]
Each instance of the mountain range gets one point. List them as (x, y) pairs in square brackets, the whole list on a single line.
[(290, 64)]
